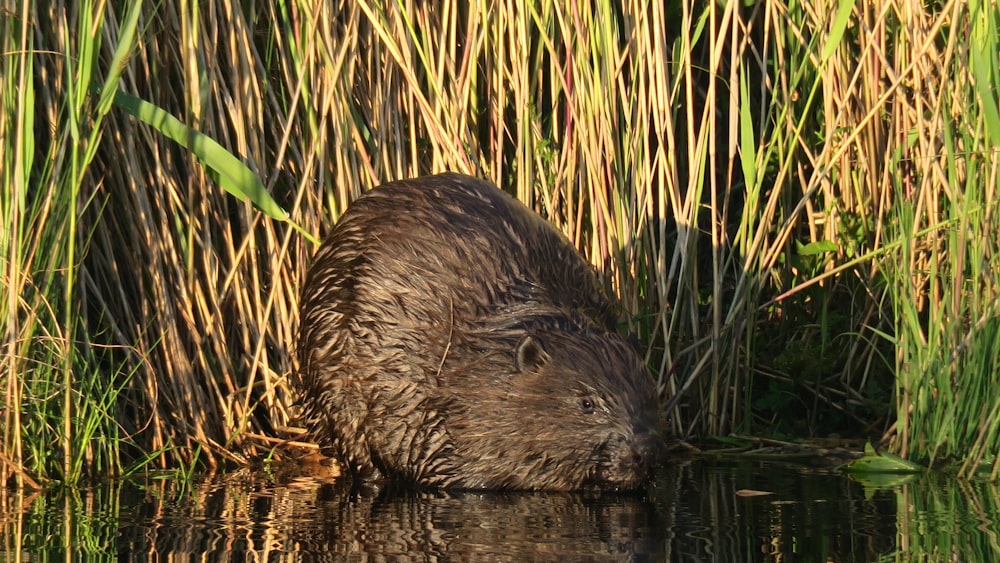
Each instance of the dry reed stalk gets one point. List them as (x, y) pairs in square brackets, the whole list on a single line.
[(730, 175)]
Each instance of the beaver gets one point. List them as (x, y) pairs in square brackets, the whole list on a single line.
[(452, 338)]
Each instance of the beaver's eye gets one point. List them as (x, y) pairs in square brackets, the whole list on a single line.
[(586, 405)]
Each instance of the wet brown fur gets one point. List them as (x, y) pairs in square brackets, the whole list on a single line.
[(451, 337)]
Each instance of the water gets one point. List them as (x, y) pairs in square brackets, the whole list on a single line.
[(700, 511)]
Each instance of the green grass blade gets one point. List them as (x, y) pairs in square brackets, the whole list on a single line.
[(229, 171), (126, 40), (748, 143), (235, 177), (982, 51), (838, 28)]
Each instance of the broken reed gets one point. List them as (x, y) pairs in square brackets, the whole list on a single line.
[(735, 172)]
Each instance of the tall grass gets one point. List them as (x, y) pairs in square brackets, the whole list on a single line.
[(740, 175), (60, 401), (944, 282)]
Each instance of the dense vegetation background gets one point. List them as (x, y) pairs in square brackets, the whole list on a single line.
[(796, 201)]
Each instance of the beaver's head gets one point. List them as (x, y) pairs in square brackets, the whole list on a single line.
[(544, 399)]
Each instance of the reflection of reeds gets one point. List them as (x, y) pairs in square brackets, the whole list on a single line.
[(732, 171), (942, 520)]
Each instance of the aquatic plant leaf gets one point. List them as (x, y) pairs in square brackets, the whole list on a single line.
[(875, 462)]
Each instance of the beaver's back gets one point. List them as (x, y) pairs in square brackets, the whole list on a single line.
[(457, 236)]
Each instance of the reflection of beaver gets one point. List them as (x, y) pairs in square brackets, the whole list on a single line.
[(451, 337), (334, 523)]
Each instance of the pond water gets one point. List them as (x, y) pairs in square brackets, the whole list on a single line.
[(700, 511)]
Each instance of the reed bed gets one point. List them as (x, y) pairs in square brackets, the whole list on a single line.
[(943, 283), (792, 200)]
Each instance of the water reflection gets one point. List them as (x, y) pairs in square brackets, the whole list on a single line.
[(695, 512), (483, 527)]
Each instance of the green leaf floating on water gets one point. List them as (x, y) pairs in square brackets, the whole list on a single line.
[(875, 462)]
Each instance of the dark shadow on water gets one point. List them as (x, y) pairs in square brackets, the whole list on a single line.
[(696, 512)]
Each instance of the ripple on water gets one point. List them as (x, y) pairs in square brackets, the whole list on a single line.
[(697, 511)]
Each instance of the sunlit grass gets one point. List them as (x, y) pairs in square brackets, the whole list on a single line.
[(944, 282), (60, 412), (786, 197)]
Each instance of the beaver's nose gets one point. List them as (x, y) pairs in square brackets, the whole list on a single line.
[(646, 450)]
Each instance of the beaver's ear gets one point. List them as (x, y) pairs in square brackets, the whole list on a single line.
[(529, 356)]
